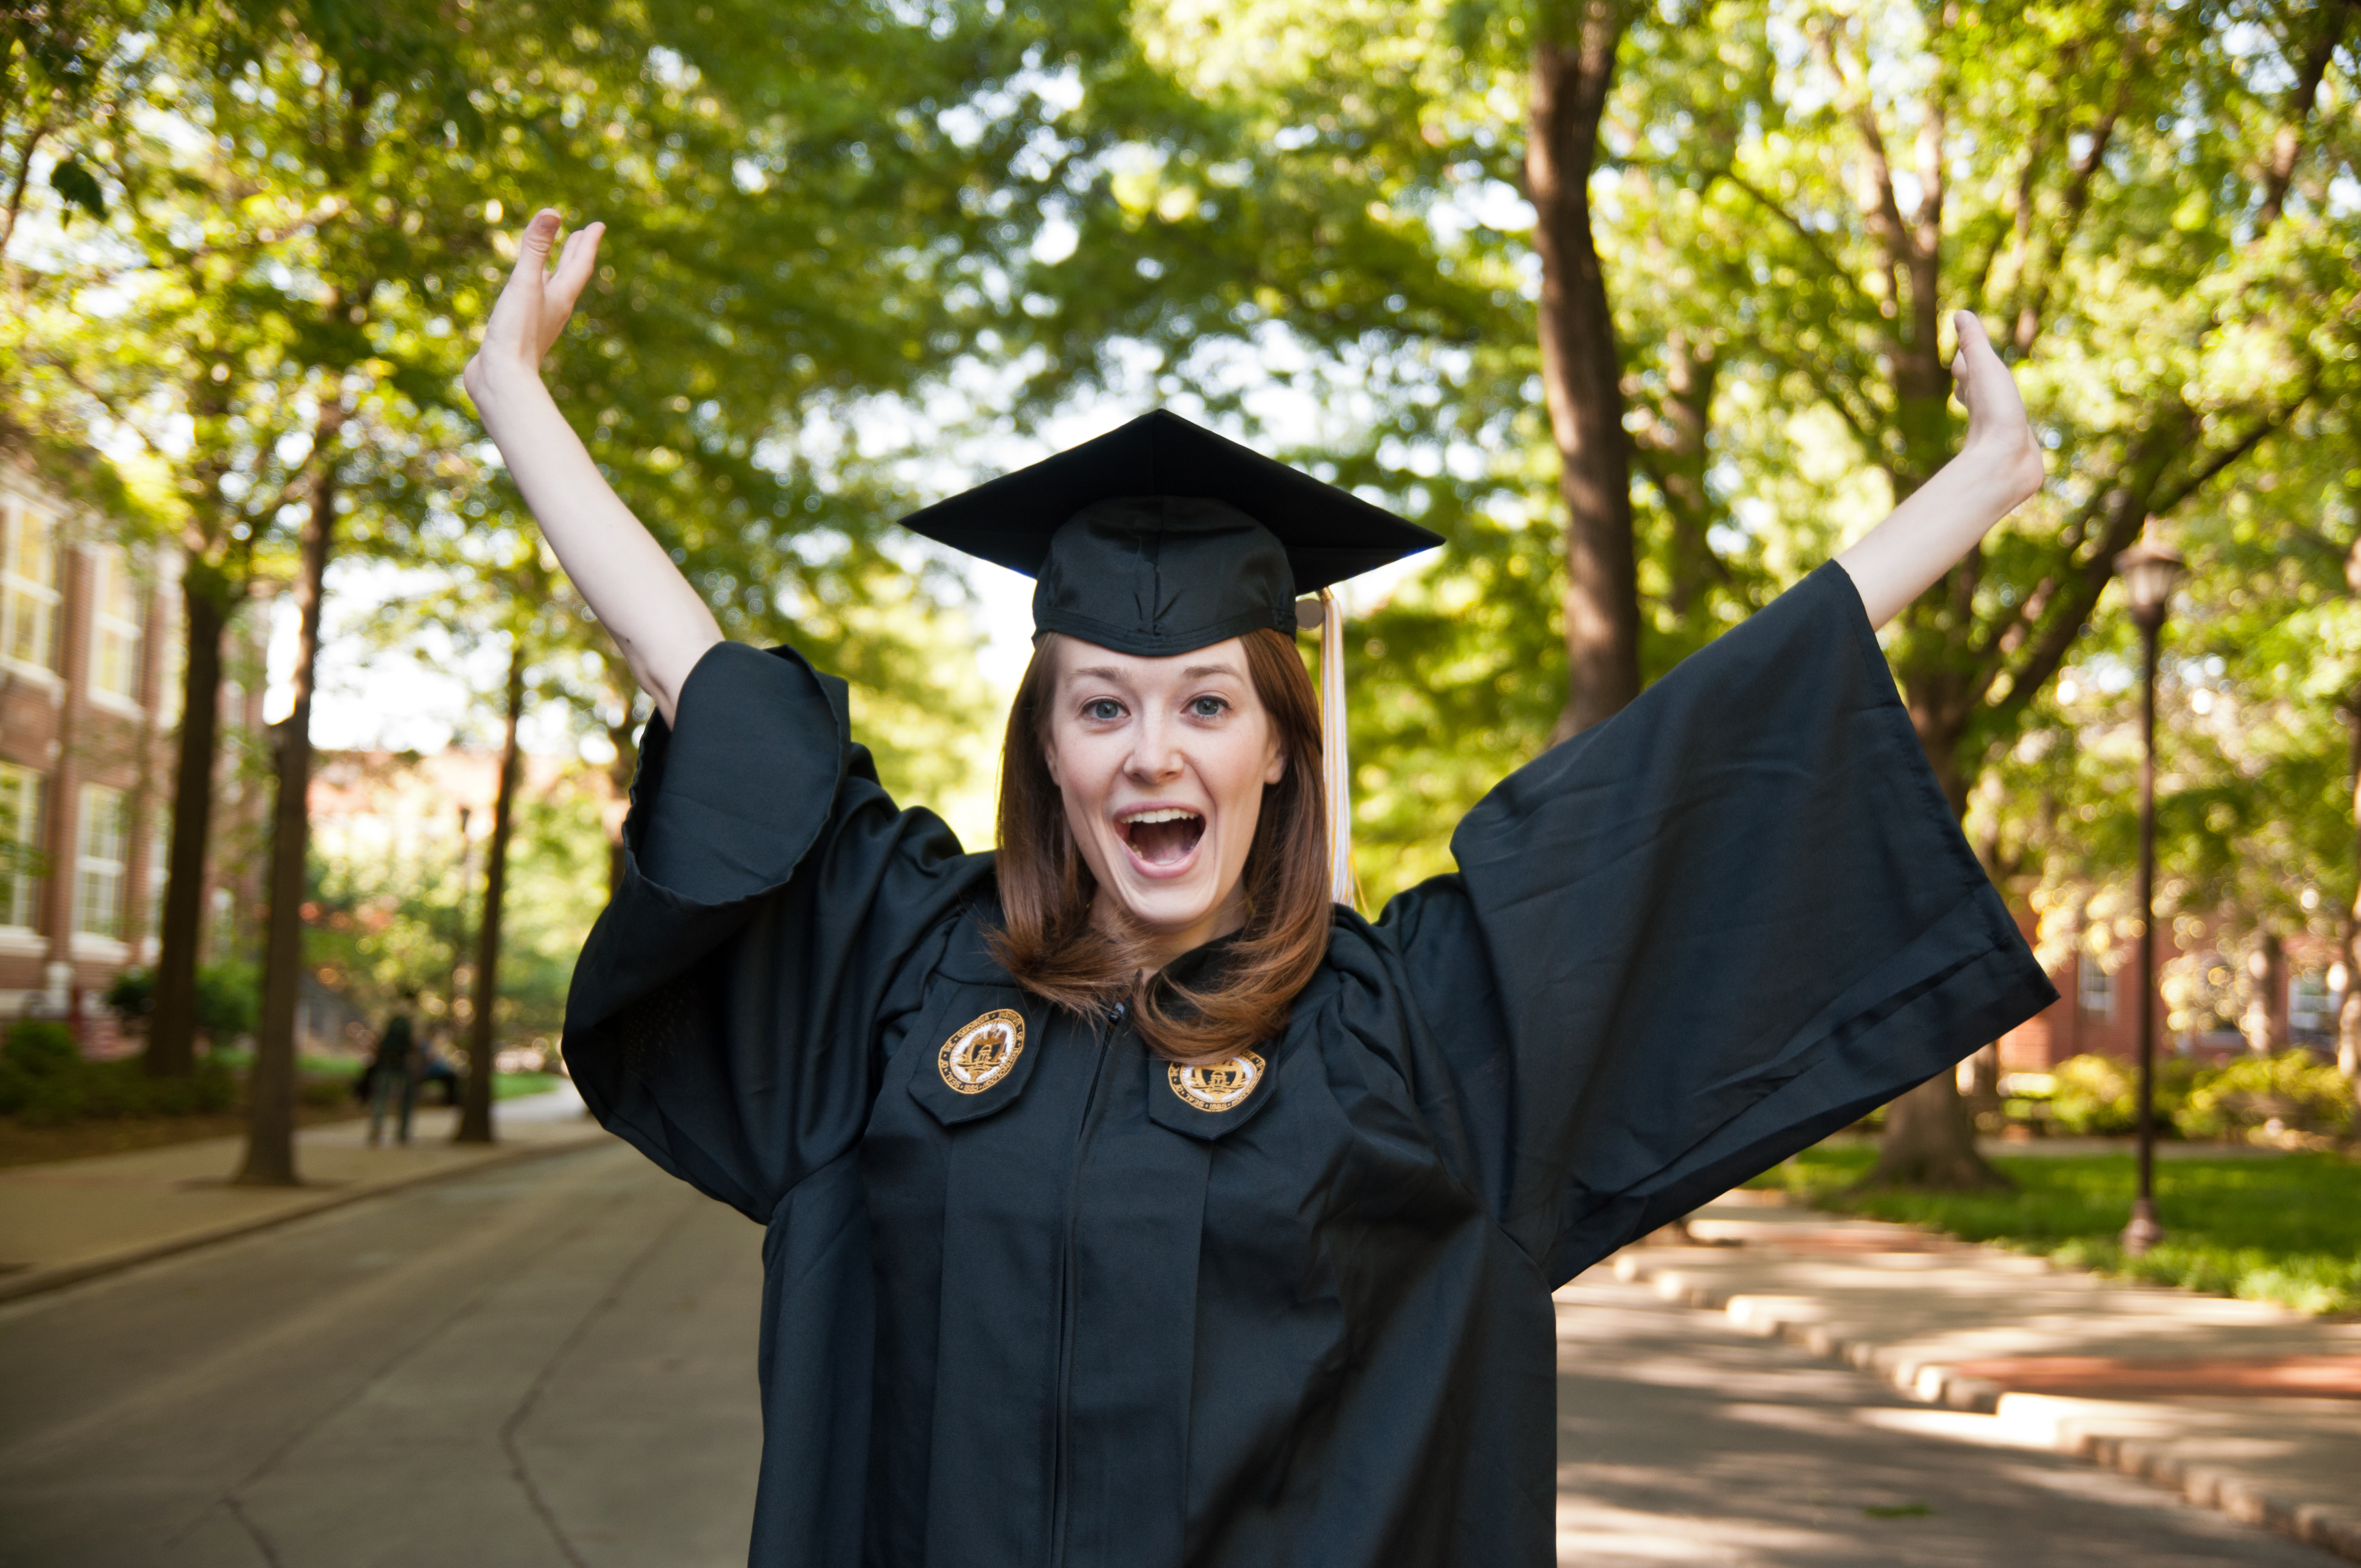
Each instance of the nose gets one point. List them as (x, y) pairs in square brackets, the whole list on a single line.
[(1155, 751)]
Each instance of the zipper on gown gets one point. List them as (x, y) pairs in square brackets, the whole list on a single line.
[(1066, 1288)]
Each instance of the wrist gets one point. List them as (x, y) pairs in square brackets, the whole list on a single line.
[(503, 378), (2009, 461)]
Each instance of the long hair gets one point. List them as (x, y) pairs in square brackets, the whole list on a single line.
[(1048, 942)]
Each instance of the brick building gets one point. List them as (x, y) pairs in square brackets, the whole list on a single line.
[(88, 703), (2288, 1001)]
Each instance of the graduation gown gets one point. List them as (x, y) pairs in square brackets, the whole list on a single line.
[(1034, 1296)]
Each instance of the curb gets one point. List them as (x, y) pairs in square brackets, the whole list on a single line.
[(57, 1276), (1934, 1382)]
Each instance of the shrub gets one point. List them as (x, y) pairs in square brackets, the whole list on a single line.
[(2097, 1095), (42, 1046), (2292, 1087), (228, 1000), (44, 1079), (131, 994)]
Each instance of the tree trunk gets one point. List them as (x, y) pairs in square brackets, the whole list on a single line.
[(1930, 1144), (1930, 1137), (271, 1091), (172, 1027), (1581, 368), (476, 1118), (620, 773), (2348, 1011)]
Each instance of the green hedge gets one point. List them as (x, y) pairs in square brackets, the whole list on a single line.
[(45, 1081), (2097, 1095)]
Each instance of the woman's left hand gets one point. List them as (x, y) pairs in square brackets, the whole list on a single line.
[(1998, 431), (1998, 469)]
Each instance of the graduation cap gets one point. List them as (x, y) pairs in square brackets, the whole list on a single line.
[(1160, 537)]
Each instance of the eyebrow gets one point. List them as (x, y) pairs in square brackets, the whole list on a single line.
[(1194, 673)]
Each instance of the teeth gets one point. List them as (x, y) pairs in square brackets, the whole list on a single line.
[(1168, 815)]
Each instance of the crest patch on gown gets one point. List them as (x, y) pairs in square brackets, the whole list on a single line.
[(1217, 1086), (981, 1052)]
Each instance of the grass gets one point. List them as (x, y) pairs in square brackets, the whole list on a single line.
[(510, 1085), (2286, 1229)]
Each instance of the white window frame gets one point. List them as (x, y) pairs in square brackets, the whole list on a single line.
[(107, 876), (111, 570), (29, 790), (2311, 1005), (17, 594), (2094, 989)]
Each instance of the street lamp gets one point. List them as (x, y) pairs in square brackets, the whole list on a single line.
[(2148, 572)]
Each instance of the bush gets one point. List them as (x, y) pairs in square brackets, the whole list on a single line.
[(40, 1046), (2241, 1098), (131, 994), (229, 999), (2098, 1094), (44, 1079)]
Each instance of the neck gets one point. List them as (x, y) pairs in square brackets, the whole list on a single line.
[(1161, 946)]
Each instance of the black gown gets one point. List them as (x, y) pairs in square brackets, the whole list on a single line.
[(1067, 1315)]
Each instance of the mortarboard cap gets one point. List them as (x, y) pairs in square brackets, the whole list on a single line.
[(1159, 537)]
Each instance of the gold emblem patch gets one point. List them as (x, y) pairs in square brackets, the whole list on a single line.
[(1218, 1086), (981, 1053)]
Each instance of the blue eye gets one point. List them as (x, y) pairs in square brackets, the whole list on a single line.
[(1105, 709), (1209, 707)]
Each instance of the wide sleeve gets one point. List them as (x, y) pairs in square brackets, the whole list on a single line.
[(725, 1011), (1704, 935)]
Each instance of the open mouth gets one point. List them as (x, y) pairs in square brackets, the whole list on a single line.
[(1164, 836)]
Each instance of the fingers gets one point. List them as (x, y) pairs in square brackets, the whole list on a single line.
[(539, 236), (574, 264), (1973, 343), (520, 300)]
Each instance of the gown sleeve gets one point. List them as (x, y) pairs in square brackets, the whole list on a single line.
[(1703, 935), (725, 1011)]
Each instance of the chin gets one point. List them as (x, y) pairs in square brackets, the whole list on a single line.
[(1166, 911)]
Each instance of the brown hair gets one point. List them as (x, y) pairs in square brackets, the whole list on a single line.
[(1052, 948)]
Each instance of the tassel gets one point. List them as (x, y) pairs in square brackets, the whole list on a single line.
[(1337, 769)]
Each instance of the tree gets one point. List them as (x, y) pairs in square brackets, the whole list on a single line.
[(475, 1113), (1582, 371)]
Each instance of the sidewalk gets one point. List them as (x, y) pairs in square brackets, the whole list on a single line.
[(2239, 1406), (73, 1219)]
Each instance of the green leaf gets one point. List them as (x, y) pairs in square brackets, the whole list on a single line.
[(77, 187)]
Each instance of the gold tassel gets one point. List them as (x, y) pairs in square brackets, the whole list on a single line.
[(1337, 769)]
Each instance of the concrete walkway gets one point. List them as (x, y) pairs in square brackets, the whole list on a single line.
[(550, 1364), (2239, 1406), (544, 1362), (73, 1219)]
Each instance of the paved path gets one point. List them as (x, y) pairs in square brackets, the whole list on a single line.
[(2241, 1405), (551, 1363), (1682, 1440), (544, 1363), (74, 1219)]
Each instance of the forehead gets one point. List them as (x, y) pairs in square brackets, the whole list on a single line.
[(1081, 660)]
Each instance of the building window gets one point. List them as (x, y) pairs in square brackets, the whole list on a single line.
[(29, 584), (23, 799), (2311, 1009), (99, 865), (174, 672), (118, 629), (2095, 988), (160, 855)]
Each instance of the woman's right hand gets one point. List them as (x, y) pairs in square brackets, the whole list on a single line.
[(623, 575), (533, 307)]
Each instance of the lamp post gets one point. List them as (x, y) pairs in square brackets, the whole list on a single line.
[(2148, 572)]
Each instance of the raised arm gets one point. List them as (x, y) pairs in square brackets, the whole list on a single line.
[(661, 624), (1998, 468)]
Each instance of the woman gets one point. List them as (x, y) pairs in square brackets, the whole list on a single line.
[(1127, 1202)]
